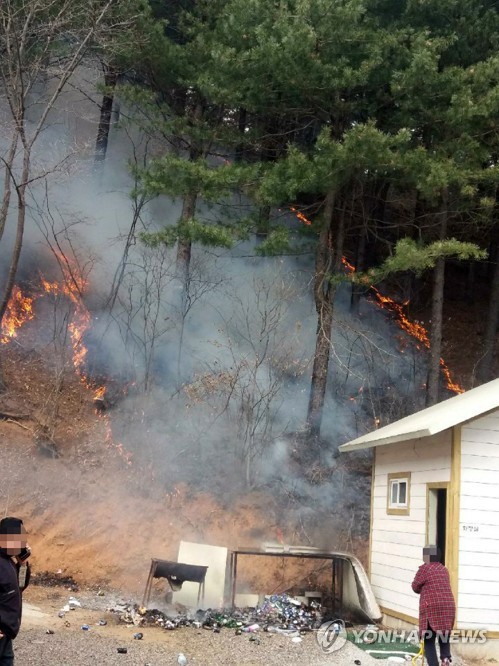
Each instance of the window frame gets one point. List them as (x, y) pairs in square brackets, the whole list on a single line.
[(398, 509)]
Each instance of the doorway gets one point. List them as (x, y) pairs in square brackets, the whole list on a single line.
[(436, 527)]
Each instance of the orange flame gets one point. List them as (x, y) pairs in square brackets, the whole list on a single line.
[(19, 311), (72, 287), (412, 328)]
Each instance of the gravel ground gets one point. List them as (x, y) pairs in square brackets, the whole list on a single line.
[(69, 645), (34, 647)]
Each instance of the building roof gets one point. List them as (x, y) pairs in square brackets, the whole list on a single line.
[(432, 420)]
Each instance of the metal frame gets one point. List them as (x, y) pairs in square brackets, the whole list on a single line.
[(337, 569)]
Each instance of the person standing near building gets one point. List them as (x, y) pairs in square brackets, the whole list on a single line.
[(14, 578), (437, 608)]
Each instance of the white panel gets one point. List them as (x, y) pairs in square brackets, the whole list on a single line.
[(478, 587), (403, 575), (472, 545), (433, 475), (399, 561), (490, 422), (408, 602), (476, 461), (407, 524), (478, 476), (480, 625), (473, 537), (215, 558), (485, 438), (478, 601), (398, 608), (478, 517), (486, 618), (407, 538), (480, 489), (477, 502), (473, 573), (477, 559), (394, 585)]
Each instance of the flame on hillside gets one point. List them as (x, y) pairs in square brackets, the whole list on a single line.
[(415, 330), (72, 287), (19, 311)]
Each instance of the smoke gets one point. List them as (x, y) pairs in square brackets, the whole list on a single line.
[(222, 411)]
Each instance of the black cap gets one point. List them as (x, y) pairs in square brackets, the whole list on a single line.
[(11, 525)]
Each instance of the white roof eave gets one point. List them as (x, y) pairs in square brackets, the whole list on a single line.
[(371, 443), (462, 408)]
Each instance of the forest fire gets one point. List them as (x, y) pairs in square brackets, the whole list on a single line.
[(19, 311), (71, 287), (414, 329)]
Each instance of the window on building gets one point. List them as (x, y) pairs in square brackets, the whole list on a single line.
[(398, 493)]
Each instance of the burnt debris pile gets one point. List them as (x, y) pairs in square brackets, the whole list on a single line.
[(278, 613)]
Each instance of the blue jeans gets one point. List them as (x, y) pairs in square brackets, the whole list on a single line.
[(6, 652)]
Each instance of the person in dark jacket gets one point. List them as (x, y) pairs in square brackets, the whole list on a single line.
[(437, 608), (12, 545)]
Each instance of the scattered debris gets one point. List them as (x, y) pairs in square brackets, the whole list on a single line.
[(280, 614), (85, 627), (102, 623), (122, 650), (51, 579), (73, 603), (182, 660), (139, 636), (49, 631)]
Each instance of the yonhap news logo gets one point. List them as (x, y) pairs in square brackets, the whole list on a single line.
[(331, 636)]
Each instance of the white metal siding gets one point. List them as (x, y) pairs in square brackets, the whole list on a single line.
[(478, 604), (397, 541)]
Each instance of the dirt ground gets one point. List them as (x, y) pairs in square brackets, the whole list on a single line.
[(70, 645)]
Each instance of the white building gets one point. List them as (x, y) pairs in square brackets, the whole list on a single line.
[(436, 480)]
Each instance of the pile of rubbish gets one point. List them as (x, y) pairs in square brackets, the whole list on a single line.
[(279, 613)]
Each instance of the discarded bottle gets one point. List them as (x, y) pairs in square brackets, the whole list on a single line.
[(252, 628)]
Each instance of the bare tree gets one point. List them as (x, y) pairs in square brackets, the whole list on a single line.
[(42, 42), (257, 358)]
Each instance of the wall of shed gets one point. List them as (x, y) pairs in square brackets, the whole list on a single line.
[(478, 605), (397, 541)]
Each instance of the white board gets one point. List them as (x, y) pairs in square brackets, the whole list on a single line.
[(213, 557)]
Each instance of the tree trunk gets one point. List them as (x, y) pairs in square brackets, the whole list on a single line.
[(485, 371), (360, 264), (263, 224), (7, 185), (106, 109), (437, 303), (239, 153), (21, 218), (184, 246), (328, 260)]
